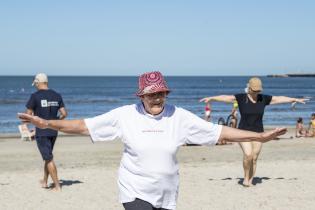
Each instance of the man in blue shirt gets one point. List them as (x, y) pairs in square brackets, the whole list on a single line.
[(47, 104)]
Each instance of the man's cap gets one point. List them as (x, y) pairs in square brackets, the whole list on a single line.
[(39, 78), (152, 82), (255, 84)]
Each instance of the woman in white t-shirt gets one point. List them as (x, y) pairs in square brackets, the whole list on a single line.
[(152, 132)]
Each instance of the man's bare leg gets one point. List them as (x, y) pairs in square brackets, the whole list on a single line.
[(44, 181), (52, 170)]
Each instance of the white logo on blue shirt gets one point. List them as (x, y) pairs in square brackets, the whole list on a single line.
[(44, 103)]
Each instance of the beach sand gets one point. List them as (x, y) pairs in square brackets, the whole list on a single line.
[(209, 177)]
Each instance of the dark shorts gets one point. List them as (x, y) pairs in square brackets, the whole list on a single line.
[(45, 146), (139, 204)]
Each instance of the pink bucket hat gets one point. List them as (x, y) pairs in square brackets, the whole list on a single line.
[(152, 82)]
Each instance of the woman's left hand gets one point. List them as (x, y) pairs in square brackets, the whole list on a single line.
[(301, 100)]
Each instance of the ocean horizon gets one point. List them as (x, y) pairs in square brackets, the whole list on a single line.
[(87, 96)]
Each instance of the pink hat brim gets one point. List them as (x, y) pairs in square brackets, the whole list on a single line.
[(141, 93)]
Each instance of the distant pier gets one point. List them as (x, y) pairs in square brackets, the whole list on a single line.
[(291, 75)]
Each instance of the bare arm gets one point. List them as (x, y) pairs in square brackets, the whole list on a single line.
[(285, 99), (237, 135), (66, 126), (29, 111), (297, 130), (220, 98), (63, 113)]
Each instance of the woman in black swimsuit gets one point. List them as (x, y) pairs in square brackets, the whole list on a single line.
[(251, 106)]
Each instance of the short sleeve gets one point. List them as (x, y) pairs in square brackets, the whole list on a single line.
[(31, 103), (239, 98), (200, 131), (267, 99), (61, 104), (104, 127)]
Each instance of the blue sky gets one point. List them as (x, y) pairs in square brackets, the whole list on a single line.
[(175, 37)]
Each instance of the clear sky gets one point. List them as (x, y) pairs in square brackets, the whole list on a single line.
[(176, 37)]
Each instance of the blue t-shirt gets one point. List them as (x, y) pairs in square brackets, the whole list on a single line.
[(252, 113), (45, 104)]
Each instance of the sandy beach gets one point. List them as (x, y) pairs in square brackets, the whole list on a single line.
[(210, 177)]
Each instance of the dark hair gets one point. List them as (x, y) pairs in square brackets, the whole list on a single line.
[(313, 114), (299, 120)]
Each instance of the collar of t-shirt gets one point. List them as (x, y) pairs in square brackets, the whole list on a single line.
[(150, 115)]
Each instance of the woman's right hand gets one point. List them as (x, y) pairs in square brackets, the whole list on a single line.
[(273, 134), (37, 121)]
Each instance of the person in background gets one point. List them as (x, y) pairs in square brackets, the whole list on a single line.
[(234, 117), (208, 112), (311, 128), (231, 121), (300, 131), (252, 104), (46, 104), (152, 132)]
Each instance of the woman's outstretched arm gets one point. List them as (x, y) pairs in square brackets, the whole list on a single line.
[(66, 126), (237, 135), (285, 99), (220, 98)]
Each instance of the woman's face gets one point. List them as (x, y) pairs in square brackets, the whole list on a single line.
[(154, 102)]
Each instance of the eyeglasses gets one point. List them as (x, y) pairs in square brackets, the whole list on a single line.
[(156, 95)]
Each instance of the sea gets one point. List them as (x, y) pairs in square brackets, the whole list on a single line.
[(88, 96)]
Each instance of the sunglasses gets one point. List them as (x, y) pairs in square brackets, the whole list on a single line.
[(255, 91)]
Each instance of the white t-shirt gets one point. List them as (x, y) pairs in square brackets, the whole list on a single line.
[(149, 168)]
